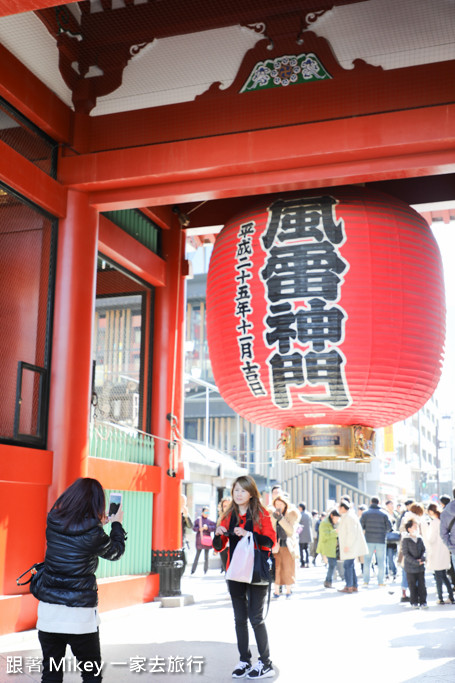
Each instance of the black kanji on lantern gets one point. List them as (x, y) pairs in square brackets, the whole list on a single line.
[(318, 324), (244, 251), (302, 275), (327, 369), (298, 219), (300, 271), (246, 346), (286, 371), (281, 324)]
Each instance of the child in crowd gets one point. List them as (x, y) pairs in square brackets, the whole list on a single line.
[(413, 550)]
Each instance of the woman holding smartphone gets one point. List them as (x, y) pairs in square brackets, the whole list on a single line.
[(67, 591), (246, 515)]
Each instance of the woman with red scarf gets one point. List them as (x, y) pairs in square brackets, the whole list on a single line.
[(246, 515)]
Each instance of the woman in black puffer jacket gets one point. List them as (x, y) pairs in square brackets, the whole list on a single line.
[(67, 589)]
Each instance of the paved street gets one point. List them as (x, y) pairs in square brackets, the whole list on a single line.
[(368, 637)]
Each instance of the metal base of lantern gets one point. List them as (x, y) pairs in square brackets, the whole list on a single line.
[(316, 443), (169, 564)]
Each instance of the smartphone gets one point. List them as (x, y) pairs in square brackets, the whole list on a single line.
[(115, 500)]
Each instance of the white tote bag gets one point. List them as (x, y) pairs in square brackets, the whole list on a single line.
[(242, 561)]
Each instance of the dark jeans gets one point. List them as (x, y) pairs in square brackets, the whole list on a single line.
[(248, 602), (331, 566), (390, 560), (85, 647), (349, 573), (440, 577), (206, 559), (417, 587), (304, 549)]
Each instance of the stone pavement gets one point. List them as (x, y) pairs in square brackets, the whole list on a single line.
[(330, 637)]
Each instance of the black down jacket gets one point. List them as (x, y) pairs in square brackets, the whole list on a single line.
[(375, 524), (72, 559)]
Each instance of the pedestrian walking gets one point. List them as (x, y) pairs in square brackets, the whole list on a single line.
[(317, 519), (392, 540), (445, 501), (246, 515), (284, 521), (328, 544), (305, 535), (352, 545), (67, 591), (438, 555), (203, 527), (448, 528), (376, 525)]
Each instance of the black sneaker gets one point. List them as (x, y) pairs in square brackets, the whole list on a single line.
[(241, 669), (261, 670)]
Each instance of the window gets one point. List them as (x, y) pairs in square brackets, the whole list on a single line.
[(26, 293), (118, 359)]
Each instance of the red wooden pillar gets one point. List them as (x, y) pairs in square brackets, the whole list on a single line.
[(167, 399), (71, 367)]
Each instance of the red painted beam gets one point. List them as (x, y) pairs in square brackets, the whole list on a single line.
[(129, 253), (378, 147), (24, 91), (8, 7), (288, 180), (19, 465), (126, 476), (162, 216), (351, 93), (27, 179)]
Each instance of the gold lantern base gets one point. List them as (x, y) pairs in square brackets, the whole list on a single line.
[(316, 443)]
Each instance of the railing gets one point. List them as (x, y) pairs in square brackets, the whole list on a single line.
[(114, 442)]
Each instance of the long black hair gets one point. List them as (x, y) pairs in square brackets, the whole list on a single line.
[(84, 499)]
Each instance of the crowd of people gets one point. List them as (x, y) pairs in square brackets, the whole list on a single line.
[(355, 542), (375, 543)]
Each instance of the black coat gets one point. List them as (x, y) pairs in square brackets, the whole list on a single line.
[(72, 559), (413, 551), (375, 524)]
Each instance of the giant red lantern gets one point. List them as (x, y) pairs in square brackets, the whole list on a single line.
[(327, 310)]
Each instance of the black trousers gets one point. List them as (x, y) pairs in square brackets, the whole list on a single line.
[(248, 602), (417, 587), (441, 578), (85, 647), (196, 559), (304, 547)]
